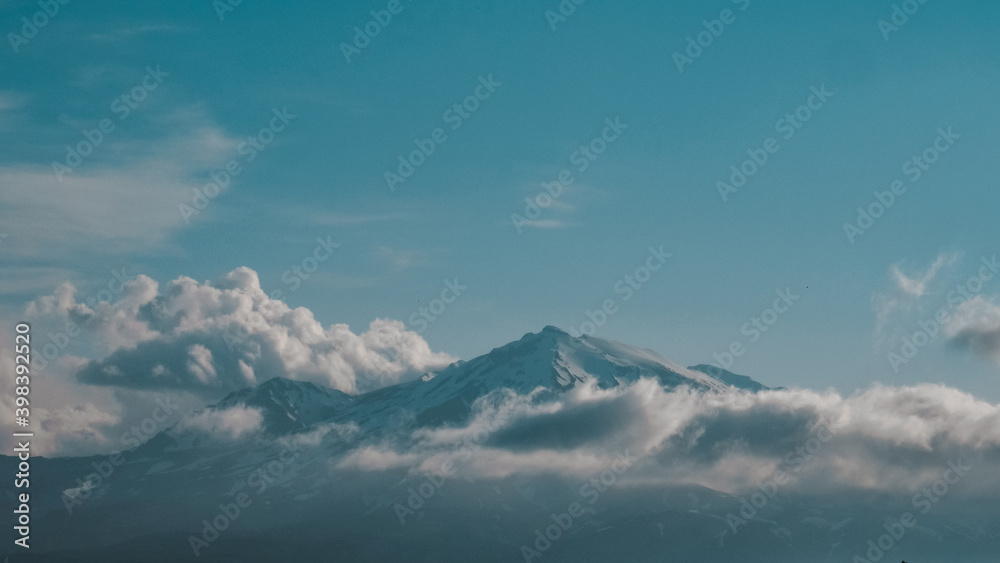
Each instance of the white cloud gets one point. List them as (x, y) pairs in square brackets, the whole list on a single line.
[(548, 224), (346, 220), (123, 33), (917, 286), (893, 308), (200, 364), (976, 325), (315, 437), (399, 260), (229, 424), (215, 337), (64, 421), (375, 459), (123, 199), (10, 100), (884, 439)]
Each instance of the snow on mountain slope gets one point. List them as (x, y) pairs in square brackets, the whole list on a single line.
[(734, 379), (550, 359), (287, 405), (276, 407)]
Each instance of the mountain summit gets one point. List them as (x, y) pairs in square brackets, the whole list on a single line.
[(550, 359), (287, 405), (312, 470)]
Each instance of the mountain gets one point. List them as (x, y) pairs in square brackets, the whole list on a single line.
[(286, 405), (299, 504), (736, 380), (551, 360)]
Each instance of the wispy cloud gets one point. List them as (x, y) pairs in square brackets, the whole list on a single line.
[(349, 220), (123, 33), (125, 203), (548, 224), (895, 305), (11, 100), (917, 285), (229, 424), (399, 260)]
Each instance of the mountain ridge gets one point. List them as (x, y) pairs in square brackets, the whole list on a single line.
[(550, 359)]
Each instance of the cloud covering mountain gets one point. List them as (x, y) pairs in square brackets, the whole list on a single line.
[(217, 336), (492, 447), (106, 362)]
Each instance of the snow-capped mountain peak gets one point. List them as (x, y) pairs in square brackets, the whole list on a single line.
[(550, 359), (554, 359)]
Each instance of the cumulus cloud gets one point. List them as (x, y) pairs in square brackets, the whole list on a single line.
[(975, 325), (228, 424), (65, 420), (220, 336), (882, 439)]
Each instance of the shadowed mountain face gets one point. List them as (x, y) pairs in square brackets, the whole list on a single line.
[(478, 462), (288, 406)]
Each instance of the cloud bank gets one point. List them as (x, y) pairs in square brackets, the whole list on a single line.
[(226, 335), (884, 439)]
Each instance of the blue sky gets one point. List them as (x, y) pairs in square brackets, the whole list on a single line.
[(221, 80)]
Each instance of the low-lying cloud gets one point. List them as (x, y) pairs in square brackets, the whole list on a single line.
[(883, 439), (229, 424)]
